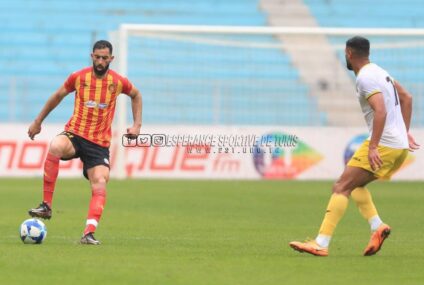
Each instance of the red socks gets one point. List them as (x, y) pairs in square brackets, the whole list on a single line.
[(97, 203), (98, 196), (51, 170)]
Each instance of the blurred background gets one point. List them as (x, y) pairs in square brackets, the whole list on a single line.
[(203, 79), (239, 80)]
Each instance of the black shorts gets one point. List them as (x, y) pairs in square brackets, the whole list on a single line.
[(91, 154)]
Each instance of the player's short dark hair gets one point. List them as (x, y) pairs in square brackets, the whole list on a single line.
[(359, 45), (102, 44)]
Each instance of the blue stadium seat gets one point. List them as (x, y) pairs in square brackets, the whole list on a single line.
[(407, 66), (41, 44)]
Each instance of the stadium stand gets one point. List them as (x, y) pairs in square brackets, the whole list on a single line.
[(406, 66), (391, 14), (44, 41)]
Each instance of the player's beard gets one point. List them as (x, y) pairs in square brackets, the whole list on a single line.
[(348, 64), (102, 71)]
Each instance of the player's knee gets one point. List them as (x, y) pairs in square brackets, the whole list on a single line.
[(60, 147), (55, 149), (99, 181), (341, 188)]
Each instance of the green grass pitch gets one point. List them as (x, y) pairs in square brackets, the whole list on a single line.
[(208, 232)]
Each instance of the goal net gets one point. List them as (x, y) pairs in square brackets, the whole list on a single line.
[(214, 75)]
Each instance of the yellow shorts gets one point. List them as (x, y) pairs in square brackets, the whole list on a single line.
[(392, 160)]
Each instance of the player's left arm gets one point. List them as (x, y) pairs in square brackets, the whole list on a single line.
[(376, 102), (405, 100), (136, 107)]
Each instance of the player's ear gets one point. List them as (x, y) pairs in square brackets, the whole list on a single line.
[(348, 52), (111, 58)]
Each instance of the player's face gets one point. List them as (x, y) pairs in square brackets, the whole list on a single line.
[(348, 54), (101, 60)]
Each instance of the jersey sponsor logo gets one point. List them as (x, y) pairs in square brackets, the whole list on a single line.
[(91, 104), (102, 105), (94, 104)]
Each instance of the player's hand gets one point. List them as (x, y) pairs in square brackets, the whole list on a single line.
[(374, 159), (412, 144), (133, 132), (34, 129)]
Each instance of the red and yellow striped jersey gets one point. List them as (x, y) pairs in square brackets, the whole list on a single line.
[(95, 101)]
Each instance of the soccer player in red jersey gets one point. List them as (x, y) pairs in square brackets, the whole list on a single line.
[(88, 133)]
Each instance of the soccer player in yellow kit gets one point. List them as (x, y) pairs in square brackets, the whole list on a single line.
[(387, 107)]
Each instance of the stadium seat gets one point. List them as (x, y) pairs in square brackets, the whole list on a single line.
[(393, 14), (42, 45)]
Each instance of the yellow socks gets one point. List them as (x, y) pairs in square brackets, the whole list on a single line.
[(335, 211), (336, 208), (363, 200)]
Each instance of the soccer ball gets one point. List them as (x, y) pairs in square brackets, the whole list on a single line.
[(33, 231)]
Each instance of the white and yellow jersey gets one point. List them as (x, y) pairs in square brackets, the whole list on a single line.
[(371, 80)]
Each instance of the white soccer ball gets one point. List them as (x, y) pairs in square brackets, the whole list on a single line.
[(33, 231)]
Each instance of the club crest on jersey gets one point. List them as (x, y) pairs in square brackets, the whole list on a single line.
[(112, 88)]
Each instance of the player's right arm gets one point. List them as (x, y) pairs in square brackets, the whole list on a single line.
[(52, 102), (405, 100)]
